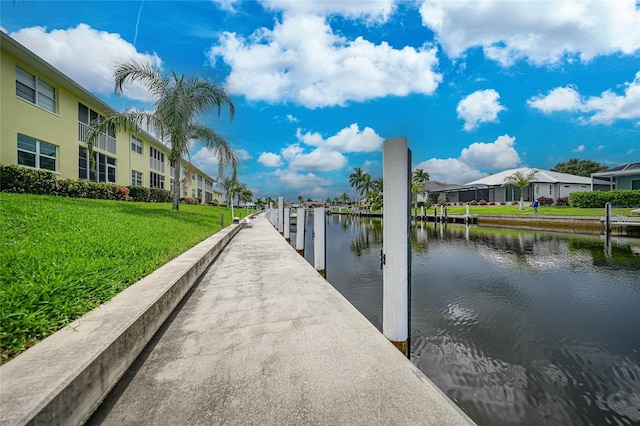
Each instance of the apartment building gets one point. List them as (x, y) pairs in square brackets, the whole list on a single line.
[(44, 117)]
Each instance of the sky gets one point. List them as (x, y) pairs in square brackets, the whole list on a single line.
[(476, 86)]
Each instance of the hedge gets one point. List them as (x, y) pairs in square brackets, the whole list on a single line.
[(598, 199), (43, 182)]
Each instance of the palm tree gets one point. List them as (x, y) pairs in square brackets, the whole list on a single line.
[(300, 200), (365, 184), (355, 179), (229, 185), (179, 101), (417, 185), (520, 180)]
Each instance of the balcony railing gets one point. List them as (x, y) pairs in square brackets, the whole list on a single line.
[(104, 141), (157, 165)]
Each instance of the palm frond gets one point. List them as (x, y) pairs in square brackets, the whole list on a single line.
[(143, 72)]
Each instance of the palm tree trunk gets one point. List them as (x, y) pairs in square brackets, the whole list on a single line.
[(176, 187)]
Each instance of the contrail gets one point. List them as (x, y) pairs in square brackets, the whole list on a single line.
[(135, 37)]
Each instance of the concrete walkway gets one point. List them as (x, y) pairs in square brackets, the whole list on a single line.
[(264, 339)]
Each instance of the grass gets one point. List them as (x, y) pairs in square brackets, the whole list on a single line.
[(542, 211), (62, 257)]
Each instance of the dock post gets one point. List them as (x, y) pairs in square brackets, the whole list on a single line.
[(300, 231), (607, 225), (319, 240), (396, 255), (280, 215), (221, 220), (467, 219), (287, 224), (441, 212)]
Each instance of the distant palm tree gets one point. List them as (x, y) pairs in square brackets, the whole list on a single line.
[(300, 200), (417, 185), (179, 101), (520, 180), (355, 180)]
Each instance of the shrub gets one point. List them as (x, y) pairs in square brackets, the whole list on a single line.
[(482, 202), (158, 195), (492, 203), (562, 201), (473, 203), (546, 201), (597, 199), (189, 200), (515, 203), (503, 203), (214, 203), (139, 193), (442, 200), (20, 179)]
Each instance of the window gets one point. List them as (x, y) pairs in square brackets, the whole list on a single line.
[(37, 154), (86, 116), (199, 181), (136, 178), (136, 145), (635, 184), (156, 180), (157, 160), (32, 89), (105, 167), (172, 185)]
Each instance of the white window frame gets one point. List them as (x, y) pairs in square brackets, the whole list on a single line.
[(107, 167), (48, 102), (136, 178), (136, 145), (156, 180), (38, 153)]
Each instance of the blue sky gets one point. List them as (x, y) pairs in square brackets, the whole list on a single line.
[(476, 86)]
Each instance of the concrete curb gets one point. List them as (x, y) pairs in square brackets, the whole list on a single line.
[(62, 379)]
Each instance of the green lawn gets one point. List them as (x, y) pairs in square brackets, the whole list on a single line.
[(61, 257)]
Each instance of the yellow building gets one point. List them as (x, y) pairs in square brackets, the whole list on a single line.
[(44, 117)]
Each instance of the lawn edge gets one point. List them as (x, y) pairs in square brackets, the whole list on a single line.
[(63, 378)]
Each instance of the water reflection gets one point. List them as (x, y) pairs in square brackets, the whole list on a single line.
[(517, 327)]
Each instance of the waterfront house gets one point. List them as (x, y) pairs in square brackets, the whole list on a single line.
[(546, 184), (624, 176), (44, 121)]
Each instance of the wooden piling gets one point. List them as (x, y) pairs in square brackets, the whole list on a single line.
[(300, 219), (319, 240), (396, 255), (287, 224), (281, 215)]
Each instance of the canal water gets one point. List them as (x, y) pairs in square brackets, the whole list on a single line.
[(516, 327)]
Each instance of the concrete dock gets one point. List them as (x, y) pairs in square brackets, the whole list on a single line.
[(264, 339), (260, 338)]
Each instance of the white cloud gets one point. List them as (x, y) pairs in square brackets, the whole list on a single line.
[(228, 5), (298, 180), (319, 160), (604, 109), (205, 157), (87, 56), (349, 139), (291, 118), (579, 148), (559, 99), (269, 159), (450, 170), (370, 11), (243, 154), (479, 107), (499, 154), (541, 32), (303, 61)]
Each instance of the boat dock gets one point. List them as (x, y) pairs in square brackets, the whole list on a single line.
[(260, 338)]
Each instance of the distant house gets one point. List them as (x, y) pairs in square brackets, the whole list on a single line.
[(624, 176), (545, 184)]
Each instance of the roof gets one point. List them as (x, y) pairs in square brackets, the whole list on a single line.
[(623, 169), (542, 176)]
